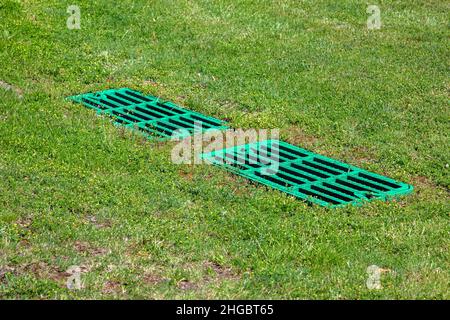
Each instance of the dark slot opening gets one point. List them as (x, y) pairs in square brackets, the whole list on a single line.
[(264, 159), (231, 156), (330, 193), (174, 109), (112, 105), (125, 116), (252, 158), (93, 104), (122, 102), (213, 123), (298, 153), (283, 154), (181, 124), (289, 178), (319, 174), (127, 98), (321, 168), (387, 183), (352, 186), (237, 159), (252, 164), (163, 124), (249, 159), (297, 174), (153, 127), (273, 179), (270, 171), (334, 165), (139, 96), (318, 196), (137, 115), (147, 111), (192, 122), (270, 151), (234, 163), (161, 110), (364, 182), (342, 190)]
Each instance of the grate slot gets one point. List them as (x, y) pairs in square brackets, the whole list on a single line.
[(366, 183), (290, 178), (298, 174), (181, 124), (129, 99), (203, 119), (267, 154), (251, 163), (380, 181), (308, 170), (318, 196), (126, 117), (252, 157), (192, 122), (233, 164), (139, 96), (171, 107), (271, 178), (95, 105), (340, 189), (333, 165), (164, 111), (122, 103), (109, 104), (294, 152), (166, 125), (156, 127), (219, 159), (155, 131), (137, 114), (250, 160), (331, 193), (277, 150), (321, 168), (354, 186), (155, 115)]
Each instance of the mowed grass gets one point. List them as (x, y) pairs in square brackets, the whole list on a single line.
[(75, 190)]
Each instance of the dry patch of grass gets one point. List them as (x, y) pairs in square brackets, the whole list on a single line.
[(113, 287), (87, 249), (296, 136)]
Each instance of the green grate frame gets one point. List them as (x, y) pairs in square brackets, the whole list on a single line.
[(307, 175), (155, 118)]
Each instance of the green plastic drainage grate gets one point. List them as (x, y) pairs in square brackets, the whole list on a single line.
[(146, 113), (306, 175)]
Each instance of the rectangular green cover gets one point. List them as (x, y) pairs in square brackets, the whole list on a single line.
[(148, 114), (306, 175)]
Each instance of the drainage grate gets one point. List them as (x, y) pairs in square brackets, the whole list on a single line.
[(306, 175), (148, 114)]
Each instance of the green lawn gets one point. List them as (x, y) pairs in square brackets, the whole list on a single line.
[(75, 190)]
